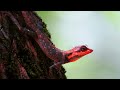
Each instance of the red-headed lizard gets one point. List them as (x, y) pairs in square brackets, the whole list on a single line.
[(58, 56)]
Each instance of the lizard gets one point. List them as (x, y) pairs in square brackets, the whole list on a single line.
[(51, 51)]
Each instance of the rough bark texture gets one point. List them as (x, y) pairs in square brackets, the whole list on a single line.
[(18, 51)]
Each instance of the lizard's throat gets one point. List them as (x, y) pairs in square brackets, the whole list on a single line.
[(74, 58)]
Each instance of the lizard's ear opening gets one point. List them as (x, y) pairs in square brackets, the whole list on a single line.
[(69, 54)]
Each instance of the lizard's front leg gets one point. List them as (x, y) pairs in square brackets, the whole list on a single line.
[(57, 66)]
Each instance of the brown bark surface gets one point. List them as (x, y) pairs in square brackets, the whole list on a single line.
[(18, 50)]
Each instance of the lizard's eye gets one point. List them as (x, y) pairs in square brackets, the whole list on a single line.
[(83, 48)]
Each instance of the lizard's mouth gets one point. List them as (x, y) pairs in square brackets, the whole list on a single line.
[(77, 55), (74, 58), (88, 51)]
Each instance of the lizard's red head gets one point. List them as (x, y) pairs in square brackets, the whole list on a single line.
[(78, 52)]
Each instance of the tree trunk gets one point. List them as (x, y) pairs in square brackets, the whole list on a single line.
[(20, 56)]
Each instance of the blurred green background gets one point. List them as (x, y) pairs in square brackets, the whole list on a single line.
[(100, 30)]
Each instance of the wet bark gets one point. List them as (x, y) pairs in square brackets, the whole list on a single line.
[(20, 56)]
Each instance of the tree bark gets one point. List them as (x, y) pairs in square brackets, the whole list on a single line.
[(20, 56)]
